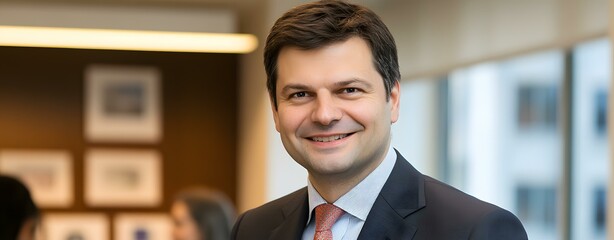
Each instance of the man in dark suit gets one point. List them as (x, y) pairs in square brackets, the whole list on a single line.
[(333, 80)]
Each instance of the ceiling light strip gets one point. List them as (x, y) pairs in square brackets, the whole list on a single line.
[(126, 40)]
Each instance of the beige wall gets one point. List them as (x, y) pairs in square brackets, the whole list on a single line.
[(108, 16), (255, 131), (436, 36), (252, 119)]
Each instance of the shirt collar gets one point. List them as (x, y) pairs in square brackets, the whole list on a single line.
[(359, 200)]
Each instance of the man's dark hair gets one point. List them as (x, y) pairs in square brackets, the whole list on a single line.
[(318, 24)]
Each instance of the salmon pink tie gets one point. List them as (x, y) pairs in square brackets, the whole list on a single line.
[(326, 215)]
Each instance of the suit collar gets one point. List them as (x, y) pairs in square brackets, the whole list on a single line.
[(295, 218), (404, 189), (402, 195)]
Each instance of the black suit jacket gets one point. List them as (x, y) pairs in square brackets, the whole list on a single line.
[(410, 206)]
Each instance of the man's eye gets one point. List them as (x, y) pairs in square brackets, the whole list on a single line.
[(298, 95), (350, 90)]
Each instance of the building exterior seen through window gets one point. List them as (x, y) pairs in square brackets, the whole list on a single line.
[(592, 67), (504, 138), (495, 130)]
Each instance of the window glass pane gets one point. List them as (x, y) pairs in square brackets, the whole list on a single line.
[(414, 134), (504, 140), (591, 80)]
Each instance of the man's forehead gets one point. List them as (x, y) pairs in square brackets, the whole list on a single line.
[(325, 44)]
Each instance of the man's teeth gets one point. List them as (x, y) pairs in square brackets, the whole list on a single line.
[(329, 139)]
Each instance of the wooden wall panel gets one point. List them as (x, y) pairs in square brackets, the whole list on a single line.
[(42, 99)]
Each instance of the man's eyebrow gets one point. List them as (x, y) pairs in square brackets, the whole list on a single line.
[(294, 87), (304, 87), (353, 81)]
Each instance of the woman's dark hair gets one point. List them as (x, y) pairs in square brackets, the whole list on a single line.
[(16, 207), (212, 212), (318, 24)]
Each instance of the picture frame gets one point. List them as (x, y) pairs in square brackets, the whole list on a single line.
[(75, 226), (123, 178), (151, 226), (48, 174), (122, 104)]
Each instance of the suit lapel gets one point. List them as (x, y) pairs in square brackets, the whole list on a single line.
[(402, 195), (295, 219)]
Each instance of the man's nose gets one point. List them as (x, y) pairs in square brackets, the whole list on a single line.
[(326, 111)]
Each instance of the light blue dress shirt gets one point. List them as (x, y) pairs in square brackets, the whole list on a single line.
[(356, 203)]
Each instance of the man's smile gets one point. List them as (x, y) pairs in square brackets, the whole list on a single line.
[(330, 138)]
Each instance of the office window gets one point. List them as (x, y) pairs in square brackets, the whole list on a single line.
[(601, 112), (504, 139), (599, 211), (536, 205), (499, 137), (590, 156), (414, 134), (537, 107)]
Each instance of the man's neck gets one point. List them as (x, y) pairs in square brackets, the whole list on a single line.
[(332, 187)]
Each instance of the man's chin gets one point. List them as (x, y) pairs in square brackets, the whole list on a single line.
[(328, 170)]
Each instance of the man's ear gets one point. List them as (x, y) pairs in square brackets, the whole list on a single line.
[(395, 102), (275, 113)]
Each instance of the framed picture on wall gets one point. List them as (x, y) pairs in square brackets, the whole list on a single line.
[(75, 226), (122, 104), (123, 178), (150, 226), (47, 173)]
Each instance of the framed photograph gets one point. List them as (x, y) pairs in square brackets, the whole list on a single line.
[(75, 226), (47, 173), (122, 104), (150, 226), (123, 178)]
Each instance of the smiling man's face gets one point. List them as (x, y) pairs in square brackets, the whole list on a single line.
[(332, 112)]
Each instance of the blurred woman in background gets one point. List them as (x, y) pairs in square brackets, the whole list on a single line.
[(202, 214), (19, 216)]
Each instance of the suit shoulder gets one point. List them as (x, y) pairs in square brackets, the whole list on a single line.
[(440, 193), (484, 220), (277, 205), (258, 223)]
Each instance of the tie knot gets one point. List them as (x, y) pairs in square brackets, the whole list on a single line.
[(326, 215)]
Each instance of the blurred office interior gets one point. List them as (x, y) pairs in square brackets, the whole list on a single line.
[(506, 100)]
